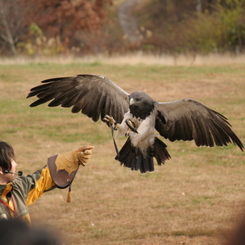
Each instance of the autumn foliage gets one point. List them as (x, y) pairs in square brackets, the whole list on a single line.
[(31, 22), (103, 26), (66, 18)]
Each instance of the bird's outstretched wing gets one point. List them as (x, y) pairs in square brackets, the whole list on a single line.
[(95, 96), (190, 120)]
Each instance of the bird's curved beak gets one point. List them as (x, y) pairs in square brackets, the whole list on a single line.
[(131, 101)]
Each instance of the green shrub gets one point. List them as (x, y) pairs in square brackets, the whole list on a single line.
[(38, 44)]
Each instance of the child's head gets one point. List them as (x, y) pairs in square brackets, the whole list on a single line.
[(6, 155)]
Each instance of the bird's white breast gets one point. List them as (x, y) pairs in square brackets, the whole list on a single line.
[(145, 128)]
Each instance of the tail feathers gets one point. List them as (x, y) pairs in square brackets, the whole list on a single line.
[(133, 158), (160, 152), (142, 163), (126, 154)]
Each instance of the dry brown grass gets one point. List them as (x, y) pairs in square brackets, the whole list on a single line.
[(193, 199), (134, 59)]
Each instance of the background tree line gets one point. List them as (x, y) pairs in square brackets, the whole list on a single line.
[(115, 26)]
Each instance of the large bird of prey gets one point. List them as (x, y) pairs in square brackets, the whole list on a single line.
[(137, 116)]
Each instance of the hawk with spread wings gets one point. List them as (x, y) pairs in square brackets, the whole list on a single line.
[(137, 116)]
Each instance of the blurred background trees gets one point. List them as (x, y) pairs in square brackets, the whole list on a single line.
[(119, 26)]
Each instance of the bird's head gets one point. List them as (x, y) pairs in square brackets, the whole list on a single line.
[(141, 104), (138, 98)]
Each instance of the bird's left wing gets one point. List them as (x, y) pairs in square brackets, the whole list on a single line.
[(95, 96), (190, 120)]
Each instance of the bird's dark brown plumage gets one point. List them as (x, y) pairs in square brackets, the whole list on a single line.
[(97, 96)]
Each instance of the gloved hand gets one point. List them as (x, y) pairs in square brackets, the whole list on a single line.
[(83, 154), (63, 167), (71, 160)]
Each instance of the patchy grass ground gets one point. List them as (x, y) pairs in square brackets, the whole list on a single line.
[(196, 198)]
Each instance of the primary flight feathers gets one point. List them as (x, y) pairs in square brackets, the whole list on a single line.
[(99, 98)]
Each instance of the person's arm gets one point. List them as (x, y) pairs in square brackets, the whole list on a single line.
[(42, 182), (59, 172)]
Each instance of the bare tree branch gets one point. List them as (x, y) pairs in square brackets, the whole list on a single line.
[(8, 37)]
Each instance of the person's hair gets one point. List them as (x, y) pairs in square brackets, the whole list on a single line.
[(6, 155)]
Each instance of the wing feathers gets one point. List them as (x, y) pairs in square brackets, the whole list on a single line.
[(97, 96), (44, 99), (93, 95), (190, 120)]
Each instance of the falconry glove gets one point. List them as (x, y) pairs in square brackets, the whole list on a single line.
[(83, 157), (63, 167)]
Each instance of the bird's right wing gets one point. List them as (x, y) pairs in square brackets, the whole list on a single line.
[(190, 120), (95, 96)]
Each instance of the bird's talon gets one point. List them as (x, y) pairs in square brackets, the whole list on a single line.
[(131, 125), (110, 122)]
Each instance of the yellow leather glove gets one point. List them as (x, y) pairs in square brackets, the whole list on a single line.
[(71, 160), (83, 154), (63, 167)]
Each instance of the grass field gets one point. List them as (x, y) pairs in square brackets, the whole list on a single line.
[(195, 198)]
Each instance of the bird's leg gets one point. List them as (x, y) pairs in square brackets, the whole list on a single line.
[(113, 125), (110, 122), (131, 126)]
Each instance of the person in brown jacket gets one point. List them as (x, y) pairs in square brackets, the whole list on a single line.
[(16, 194)]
